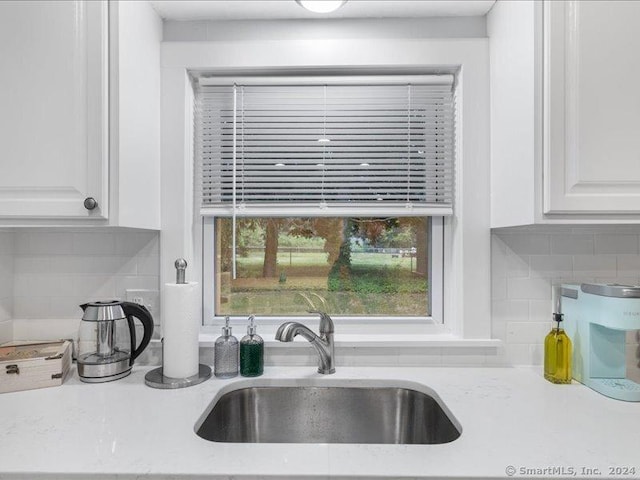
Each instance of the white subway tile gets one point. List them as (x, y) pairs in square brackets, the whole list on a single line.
[(148, 265), (6, 275), (524, 354), (572, 244), (498, 288), (6, 308), (535, 288), (512, 310), (139, 243), (94, 287), (540, 310), (518, 265), (628, 265), (552, 266), (499, 359), (24, 264), (115, 265), (41, 285), (102, 243), (527, 244), (22, 243), (536, 354), (66, 307), (498, 329), (594, 266), (130, 282), (44, 328), (6, 331), (498, 257), (527, 332), (7, 241), (31, 307), (44, 243), (616, 243)]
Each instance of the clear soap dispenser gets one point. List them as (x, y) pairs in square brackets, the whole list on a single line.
[(225, 353), (251, 352)]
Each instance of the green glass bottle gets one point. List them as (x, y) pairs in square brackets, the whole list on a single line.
[(557, 354), (251, 352)]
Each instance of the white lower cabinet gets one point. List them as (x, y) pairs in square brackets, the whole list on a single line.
[(75, 147), (575, 158)]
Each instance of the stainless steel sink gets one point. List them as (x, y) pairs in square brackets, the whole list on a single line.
[(319, 414)]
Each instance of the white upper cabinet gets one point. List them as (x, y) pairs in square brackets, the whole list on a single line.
[(574, 157), (592, 107), (80, 113), (53, 93)]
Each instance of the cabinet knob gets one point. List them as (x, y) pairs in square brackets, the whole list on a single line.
[(90, 203)]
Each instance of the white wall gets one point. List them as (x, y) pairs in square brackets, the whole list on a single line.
[(527, 261), (6, 284)]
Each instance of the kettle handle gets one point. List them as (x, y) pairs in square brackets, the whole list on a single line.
[(141, 313)]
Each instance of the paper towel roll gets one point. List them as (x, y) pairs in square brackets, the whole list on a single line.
[(180, 329)]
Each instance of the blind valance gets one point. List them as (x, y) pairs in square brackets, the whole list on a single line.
[(326, 149)]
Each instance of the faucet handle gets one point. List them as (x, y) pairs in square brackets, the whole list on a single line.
[(326, 323)]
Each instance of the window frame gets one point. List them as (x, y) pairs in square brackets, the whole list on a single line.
[(436, 240), (467, 302)]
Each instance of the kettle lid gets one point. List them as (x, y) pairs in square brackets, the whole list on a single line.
[(103, 311)]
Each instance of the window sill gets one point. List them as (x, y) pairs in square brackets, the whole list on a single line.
[(440, 340)]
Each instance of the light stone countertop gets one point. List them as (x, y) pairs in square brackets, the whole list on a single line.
[(509, 417)]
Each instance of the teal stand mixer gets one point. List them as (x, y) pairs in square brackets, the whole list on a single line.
[(596, 319)]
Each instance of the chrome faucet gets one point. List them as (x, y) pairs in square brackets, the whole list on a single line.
[(323, 343)]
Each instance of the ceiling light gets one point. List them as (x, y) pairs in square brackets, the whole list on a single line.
[(364, 164), (321, 6), (324, 140), (279, 165)]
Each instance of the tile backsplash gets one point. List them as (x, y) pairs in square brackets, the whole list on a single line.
[(47, 273), (527, 261)]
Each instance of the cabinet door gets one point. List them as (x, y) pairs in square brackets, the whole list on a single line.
[(592, 107), (53, 93)]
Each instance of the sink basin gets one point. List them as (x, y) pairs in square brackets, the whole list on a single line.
[(321, 414)]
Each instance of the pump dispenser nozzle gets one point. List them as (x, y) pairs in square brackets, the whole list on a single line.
[(251, 328)]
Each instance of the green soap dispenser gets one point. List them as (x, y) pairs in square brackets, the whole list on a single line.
[(557, 349), (251, 352)]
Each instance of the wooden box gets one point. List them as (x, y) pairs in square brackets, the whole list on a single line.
[(29, 365)]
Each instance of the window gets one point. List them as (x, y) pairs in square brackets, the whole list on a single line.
[(349, 266), (334, 192)]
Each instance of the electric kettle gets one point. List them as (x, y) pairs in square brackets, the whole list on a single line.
[(107, 339)]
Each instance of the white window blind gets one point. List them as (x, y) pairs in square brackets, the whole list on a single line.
[(326, 149)]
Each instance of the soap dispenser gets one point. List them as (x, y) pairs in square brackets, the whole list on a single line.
[(557, 348), (225, 353), (251, 352)]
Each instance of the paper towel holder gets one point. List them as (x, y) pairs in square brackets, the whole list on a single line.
[(155, 378)]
